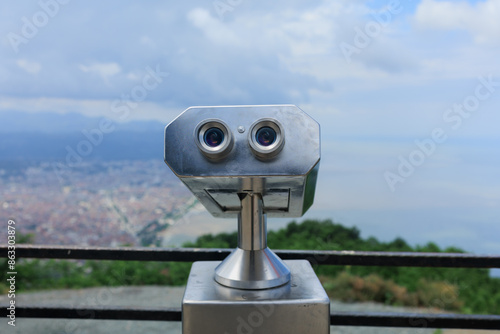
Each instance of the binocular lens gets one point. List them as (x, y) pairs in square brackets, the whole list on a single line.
[(213, 137), (265, 136)]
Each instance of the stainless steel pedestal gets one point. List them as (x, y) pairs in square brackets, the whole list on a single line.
[(300, 306)]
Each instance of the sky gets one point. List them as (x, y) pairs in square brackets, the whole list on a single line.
[(407, 92)]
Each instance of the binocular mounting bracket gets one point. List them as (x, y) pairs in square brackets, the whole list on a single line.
[(252, 265)]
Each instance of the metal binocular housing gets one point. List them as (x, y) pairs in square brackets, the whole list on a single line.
[(247, 162), (283, 172)]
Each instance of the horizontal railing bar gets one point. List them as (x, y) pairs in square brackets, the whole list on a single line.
[(117, 253), (96, 313), (360, 258), (416, 320), (394, 259)]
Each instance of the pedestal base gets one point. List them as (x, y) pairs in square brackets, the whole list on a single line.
[(252, 270), (300, 306)]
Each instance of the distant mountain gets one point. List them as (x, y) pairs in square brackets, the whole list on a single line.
[(52, 136), (51, 122)]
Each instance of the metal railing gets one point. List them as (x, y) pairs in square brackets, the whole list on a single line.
[(399, 259)]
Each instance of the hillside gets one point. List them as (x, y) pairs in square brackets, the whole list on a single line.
[(456, 289), (51, 136)]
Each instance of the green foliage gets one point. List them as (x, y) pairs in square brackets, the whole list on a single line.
[(350, 288), (222, 240), (21, 238), (467, 290), (56, 274)]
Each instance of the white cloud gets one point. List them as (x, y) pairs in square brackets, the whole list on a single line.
[(89, 107), (147, 41), (480, 19), (105, 70), (29, 66), (394, 91), (213, 28)]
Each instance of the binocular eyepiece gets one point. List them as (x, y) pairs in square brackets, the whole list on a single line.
[(215, 140)]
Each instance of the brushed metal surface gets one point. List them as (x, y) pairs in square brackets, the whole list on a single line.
[(300, 306), (247, 162), (252, 265), (286, 181), (252, 269)]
